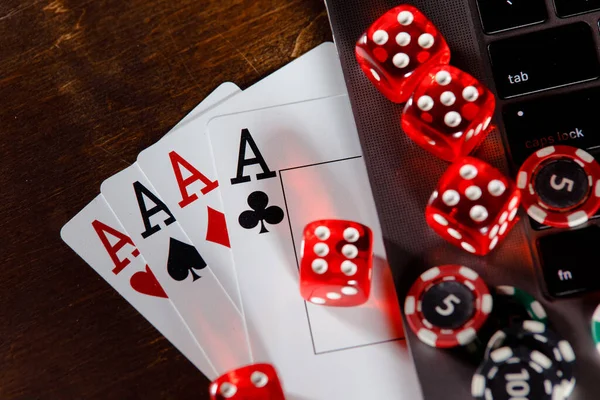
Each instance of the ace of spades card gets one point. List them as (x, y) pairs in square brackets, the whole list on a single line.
[(279, 169), (180, 268)]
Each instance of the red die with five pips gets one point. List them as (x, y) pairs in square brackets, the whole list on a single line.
[(398, 49), (449, 113), (474, 206)]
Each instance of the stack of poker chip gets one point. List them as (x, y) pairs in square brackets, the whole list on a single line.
[(525, 360), (452, 307)]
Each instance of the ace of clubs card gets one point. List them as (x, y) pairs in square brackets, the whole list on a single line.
[(181, 168), (281, 168)]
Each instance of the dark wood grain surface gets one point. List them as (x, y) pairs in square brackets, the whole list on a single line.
[(84, 87)]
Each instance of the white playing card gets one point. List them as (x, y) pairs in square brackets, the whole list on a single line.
[(306, 159), (96, 235), (180, 167), (182, 271), (220, 94)]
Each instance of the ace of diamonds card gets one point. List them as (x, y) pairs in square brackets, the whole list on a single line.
[(279, 169)]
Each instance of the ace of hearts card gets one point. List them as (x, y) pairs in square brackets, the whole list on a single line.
[(279, 169), (98, 237)]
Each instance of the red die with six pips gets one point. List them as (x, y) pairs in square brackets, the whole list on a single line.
[(337, 263)]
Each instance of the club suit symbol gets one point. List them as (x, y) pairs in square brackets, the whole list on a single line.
[(261, 212)]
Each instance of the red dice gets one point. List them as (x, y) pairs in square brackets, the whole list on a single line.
[(474, 206), (252, 382), (398, 50), (449, 113), (337, 263)]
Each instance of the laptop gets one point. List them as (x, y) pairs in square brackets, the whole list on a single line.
[(540, 58)]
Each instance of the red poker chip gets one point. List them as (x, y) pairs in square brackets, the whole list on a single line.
[(560, 186), (457, 301)]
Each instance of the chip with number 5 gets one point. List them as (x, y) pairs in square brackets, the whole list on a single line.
[(560, 186), (447, 305)]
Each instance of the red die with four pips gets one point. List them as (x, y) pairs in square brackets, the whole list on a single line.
[(337, 263), (398, 50), (252, 382), (474, 206)]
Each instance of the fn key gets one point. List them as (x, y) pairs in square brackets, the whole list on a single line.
[(569, 261)]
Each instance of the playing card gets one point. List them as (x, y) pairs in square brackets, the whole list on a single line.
[(217, 96), (279, 169), (180, 167), (96, 235), (179, 267)]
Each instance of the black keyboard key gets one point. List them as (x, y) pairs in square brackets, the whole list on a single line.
[(569, 261), (565, 8), (570, 119), (502, 15), (544, 60)]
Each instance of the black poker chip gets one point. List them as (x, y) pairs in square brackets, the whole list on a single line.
[(515, 305), (512, 306), (537, 336), (511, 373)]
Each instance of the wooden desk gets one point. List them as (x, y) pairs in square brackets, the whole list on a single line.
[(85, 86)]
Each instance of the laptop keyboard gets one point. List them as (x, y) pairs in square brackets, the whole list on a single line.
[(543, 60)]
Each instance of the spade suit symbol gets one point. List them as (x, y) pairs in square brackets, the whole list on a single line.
[(260, 212), (183, 260)]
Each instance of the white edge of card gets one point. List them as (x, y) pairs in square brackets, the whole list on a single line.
[(223, 92)]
